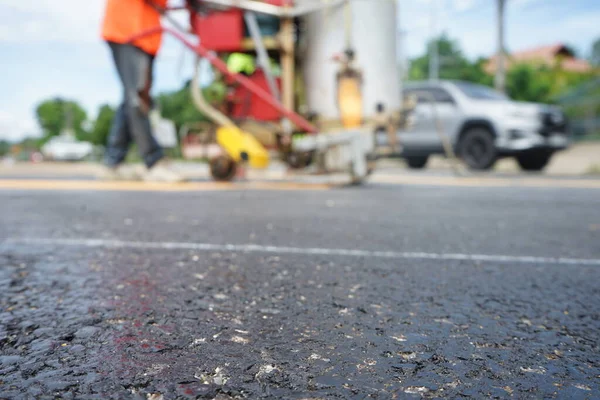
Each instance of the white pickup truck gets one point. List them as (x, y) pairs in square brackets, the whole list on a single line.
[(482, 124)]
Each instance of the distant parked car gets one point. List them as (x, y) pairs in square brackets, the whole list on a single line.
[(482, 125), (66, 148)]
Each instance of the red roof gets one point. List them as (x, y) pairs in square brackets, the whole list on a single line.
[(545, 55)]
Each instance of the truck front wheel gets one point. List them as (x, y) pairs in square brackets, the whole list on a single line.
[(477, 148), (535, 160)]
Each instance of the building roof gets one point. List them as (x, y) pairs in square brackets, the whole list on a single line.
[(544, 55)]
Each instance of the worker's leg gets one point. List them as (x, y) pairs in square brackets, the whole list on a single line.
[(119, 139), (134, 68)]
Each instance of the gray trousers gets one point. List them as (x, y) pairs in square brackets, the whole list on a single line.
[(132, 123)]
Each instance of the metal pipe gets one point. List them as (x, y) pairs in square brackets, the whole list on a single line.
[(282, 12), (197, 48), (205, 107), (250, 85), (263, 57)]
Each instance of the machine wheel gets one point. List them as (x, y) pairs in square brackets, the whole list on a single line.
[(299, 160), (534, 160), (223, 168), (417, 162), (477, 148)]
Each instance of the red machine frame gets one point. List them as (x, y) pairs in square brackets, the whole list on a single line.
[(216, 62)]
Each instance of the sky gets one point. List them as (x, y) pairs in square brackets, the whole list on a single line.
[(53, 48)]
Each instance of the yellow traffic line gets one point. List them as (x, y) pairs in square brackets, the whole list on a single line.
[(408, 180), (489, 182), (65, 185)]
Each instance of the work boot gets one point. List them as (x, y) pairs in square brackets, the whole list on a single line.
[(118, 173), (163, 172)]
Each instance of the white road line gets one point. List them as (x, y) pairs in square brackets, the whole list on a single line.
[(253, 248)]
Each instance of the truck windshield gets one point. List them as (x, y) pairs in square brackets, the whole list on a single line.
[(480, 92)]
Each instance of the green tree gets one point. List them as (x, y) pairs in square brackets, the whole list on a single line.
[(178, 107), (55, 115), (453, 64), (542, 83), (31, 144), (4, 147), (528, 83), (101, 129)]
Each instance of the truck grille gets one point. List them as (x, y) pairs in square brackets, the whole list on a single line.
[(553, 122)]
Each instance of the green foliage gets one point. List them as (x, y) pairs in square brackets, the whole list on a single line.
[(4, 147), (102, 125), (582, 106), (55, 115), (525, 82), (178, 107), (32, 144), (541, 83), (453, 64)]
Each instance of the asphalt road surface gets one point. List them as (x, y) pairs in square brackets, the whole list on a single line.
[(384, 291)]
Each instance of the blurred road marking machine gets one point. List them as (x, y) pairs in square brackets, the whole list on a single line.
[(290, 94)]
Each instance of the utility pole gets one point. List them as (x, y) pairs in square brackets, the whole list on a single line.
[(403, 61), (434, 59), (401, 53), (500, 79)]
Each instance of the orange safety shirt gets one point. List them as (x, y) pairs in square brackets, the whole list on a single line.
[(124, 19)]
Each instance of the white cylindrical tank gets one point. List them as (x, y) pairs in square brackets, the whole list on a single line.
[(373, 38)]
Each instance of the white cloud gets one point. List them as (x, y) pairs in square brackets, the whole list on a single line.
[(523, 3), (13, 127), (464, 5), (67, 21), (71, 21), (578, 30)]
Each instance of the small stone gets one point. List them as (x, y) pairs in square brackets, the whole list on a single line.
[(77, 348), (53, 363), (31, 368), (316, 356), (86, 332), (47, 375), (41, 345), (270, 311), (59, 385), (29, 326), (91, 377), (583, 387), (240, 340), (10, 395), (35, 391), (416, 390), (43, 332), (9, 360)]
